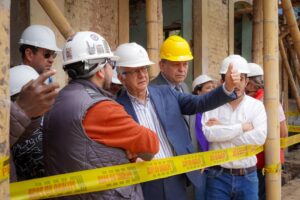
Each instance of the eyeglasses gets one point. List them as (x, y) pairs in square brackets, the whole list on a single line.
[(142, 70), (48, 53)]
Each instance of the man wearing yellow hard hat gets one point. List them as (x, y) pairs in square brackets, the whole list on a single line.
[(175, 54)]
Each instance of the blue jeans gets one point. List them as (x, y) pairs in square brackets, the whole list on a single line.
[(262, 186), (224, 186)]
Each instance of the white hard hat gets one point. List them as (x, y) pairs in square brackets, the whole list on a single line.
[(115, 79), (238, 62), (255, 70), (19, 76), (132, 55), (39, 36), (84, 46), (200, 80)]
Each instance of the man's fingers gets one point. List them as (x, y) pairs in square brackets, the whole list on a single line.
[(230, 68), (49, 88), (44, 76)]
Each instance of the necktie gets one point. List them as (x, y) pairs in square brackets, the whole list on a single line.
[(177, 88)]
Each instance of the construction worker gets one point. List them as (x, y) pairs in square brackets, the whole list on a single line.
[(160, 108), (86, 129), (240, 122), (201, 85), (30, 100), (255, 88), (38, 47)]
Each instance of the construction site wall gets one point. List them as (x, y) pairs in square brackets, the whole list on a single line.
[(217, 35)]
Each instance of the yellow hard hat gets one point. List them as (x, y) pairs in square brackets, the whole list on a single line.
[(175, 48)]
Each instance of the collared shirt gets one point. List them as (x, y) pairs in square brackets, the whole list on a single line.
[(147, 117), (230, 133)]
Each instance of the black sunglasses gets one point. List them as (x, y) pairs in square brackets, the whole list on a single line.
[(48, 53)]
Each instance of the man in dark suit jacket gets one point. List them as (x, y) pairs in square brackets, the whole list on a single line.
[(161, 109), (175, 55)]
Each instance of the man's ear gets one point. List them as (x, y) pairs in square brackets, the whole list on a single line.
[(246, 81), (161, 65), (28, 54), (100, 73)]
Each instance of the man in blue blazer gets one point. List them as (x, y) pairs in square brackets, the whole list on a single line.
[(161, 109)]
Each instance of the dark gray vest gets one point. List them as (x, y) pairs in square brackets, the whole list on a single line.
[(67, 147)]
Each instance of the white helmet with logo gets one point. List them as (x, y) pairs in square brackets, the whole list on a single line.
[(255, 70), (132, 55), (88, 48), (39, 36), (19, 76), (239, 63), (200, 80)]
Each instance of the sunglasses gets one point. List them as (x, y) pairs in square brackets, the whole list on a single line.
[(48, 53)]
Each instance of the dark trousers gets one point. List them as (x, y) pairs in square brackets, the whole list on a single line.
[(170, 188)]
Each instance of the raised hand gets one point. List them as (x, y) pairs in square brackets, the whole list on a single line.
[(232, 78), (36, 97)]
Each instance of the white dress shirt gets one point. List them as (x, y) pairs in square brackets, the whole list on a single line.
[(230, 133), (147, 117)]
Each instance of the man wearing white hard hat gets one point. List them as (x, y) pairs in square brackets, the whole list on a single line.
[(30, 99), (160, 108), (240, 122), (38, 47), (255, 89), (86, 128)]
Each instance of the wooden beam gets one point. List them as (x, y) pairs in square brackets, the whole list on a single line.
[(290, 74), (57, 17), (4, 94), (200, 38), (257, 32), (292, 24), (271, 98), (123, 21), (152, 35)]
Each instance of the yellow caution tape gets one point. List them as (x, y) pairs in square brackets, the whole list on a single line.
[(4, 168), (294, 129), (124, 175), (272, 169), (128, 174), (289, 141), (292, 114)]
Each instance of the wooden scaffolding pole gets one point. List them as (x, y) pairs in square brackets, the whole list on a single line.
[(271, 99), (152, 35), (292, 23), (290, 74), (257, 32), (4, 96), (295, 59), (123, 21), (57, 18)]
